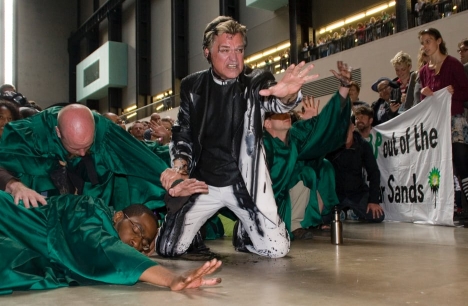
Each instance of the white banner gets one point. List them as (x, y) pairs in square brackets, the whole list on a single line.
[(414, 154)]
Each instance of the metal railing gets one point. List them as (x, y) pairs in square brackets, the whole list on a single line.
[(159, 106)]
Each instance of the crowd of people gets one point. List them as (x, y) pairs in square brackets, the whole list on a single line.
[(349, 37), (77, 179), (375, 28)]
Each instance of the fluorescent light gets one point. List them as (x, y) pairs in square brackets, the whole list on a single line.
[(284, 46), (335, 25), (376, 9), (131, 115), (130, 108), (268, 52), (9, 41), (277, 66), (261, 64), (322, 31), (159, 107), (354, 18), (391, 3), (276, 59), (254, 58)]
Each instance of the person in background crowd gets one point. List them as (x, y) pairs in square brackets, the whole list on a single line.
[(384, 108), (114, 118), (8, 112), (406, 80)]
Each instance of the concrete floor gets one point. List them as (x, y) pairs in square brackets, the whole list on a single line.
[(378, 264)]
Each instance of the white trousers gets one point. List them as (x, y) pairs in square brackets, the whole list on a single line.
[(268, 239)]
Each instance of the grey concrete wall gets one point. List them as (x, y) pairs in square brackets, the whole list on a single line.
[(265, 28), (201, 13), (128, 36), (161, 51), (42, 56)]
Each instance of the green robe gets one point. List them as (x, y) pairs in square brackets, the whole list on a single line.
[(302, 159), (128, 172), (71, 241)]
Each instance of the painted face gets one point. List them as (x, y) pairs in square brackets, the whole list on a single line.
[(227, 55), (463, 51), (430, 44), (5, 117), (353, 94), (402, 71), (138, 232), (363, 122)]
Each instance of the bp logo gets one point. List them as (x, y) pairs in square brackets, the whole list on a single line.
[(434, 183)]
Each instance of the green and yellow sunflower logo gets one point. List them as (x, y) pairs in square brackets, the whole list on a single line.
[(434, 182)]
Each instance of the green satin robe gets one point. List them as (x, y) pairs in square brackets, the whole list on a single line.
[(128, 172), (71, 241), (302, 159)]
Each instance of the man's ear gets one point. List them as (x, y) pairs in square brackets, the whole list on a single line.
[(267, 123), (118, 216), (371, 120), (58, 132), (206, 52)]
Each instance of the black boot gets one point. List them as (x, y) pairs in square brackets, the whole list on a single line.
[(198, 245), (240, 238)]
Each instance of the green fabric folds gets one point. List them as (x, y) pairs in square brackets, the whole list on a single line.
[(128, 171), (302, 159), (70, 241)]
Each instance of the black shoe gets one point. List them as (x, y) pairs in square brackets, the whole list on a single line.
[(197, 245), (240, 241)]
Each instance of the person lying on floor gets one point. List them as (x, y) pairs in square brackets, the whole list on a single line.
[(76, 240)]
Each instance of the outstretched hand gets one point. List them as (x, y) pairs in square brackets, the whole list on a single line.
[(158, 275), (291, 83), (309, 108), (344, 73), (195, 278)]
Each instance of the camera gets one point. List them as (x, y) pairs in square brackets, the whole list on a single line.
[(15, 97)]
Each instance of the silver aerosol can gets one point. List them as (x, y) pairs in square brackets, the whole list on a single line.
[(336, 227)]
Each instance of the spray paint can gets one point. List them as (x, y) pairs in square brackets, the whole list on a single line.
[(336, 227)]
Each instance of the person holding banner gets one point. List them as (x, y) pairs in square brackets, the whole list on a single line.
[(445, 71)]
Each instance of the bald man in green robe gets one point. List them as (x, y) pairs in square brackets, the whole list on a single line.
[(73, 150), (295, 156)]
